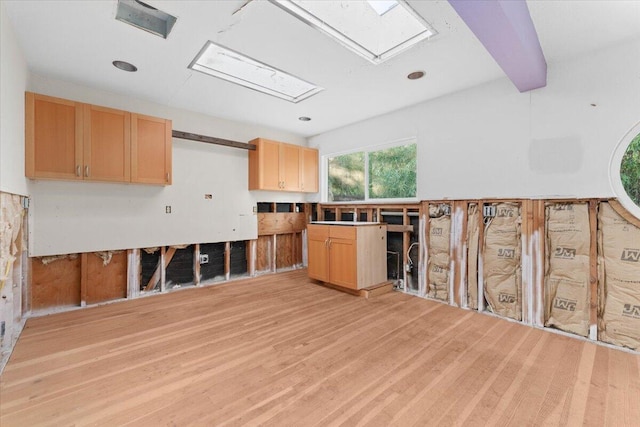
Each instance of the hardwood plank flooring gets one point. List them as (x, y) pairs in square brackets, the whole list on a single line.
[(279, 350)]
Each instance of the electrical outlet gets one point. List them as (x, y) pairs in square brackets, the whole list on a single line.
[(167, 209), (255, 209), (204, 258)]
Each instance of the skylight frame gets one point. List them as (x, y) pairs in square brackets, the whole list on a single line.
[(194, 65), (307, 17), (145, 17)]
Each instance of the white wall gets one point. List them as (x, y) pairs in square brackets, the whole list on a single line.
[(13, 81), (69, 217), (492, 141)]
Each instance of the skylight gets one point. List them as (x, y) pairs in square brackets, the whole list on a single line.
[(374, 29), (221, 62), (382, 6)]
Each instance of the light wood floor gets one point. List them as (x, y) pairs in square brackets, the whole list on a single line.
[(279, 350)]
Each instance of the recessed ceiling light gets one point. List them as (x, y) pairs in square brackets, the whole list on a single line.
[(125, 66), (304, 119), (145, 17), (374, 29), (416, 75), (223, 63)]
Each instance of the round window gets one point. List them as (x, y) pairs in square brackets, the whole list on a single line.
[(625, 171)]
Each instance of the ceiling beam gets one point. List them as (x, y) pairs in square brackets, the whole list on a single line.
[(212, 140), (506, 30)]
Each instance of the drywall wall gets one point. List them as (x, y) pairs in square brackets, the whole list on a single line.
[(492, 141), (69, 217), (13, 81)]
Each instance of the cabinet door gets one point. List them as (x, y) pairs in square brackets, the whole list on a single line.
[(107, 144), (150, 150), (268, 167), (53, 136), (343, 262), (317, 250), (309, 170), (290, 167)]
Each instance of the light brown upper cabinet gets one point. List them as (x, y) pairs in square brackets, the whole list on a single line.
[(150, 150), (309, 170), (279, 166), (107, 144), (71, 140), (53, 135)]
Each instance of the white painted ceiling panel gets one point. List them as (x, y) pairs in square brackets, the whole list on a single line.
[(76, 41)]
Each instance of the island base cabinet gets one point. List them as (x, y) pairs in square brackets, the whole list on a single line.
[(350, 255)]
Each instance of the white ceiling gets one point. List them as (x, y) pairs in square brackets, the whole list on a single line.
[(76, 41)]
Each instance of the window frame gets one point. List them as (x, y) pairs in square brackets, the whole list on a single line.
[(368, 149), (614, 171)]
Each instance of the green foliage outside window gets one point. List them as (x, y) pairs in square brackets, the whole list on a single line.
[(346, 177), (630, 170), (392, 173)]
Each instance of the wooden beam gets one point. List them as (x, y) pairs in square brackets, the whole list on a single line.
[(593, 269), (459, 212), (212, 140), (133, 273), (274, 250), (196, 264), (539, 257), (405, 245), (227, 260), (251, 257), (166, 256), (163, 268), (397, 228), (84, 279), (280, 223), (481, 246)]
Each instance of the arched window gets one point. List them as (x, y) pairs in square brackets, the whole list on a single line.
[(625, 171)]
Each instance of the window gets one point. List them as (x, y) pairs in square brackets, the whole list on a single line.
[(388, 173), (625, 171), (630, 170)]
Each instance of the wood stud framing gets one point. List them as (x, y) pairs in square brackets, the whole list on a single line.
[(281, 245)]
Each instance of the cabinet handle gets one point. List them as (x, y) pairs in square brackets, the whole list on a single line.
[(86, 171), (77, 170), (167, 176)]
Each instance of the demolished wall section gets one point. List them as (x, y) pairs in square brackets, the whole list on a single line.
[(502, 261), (439, 252), (619, 288), (567, 288), (12, 231)]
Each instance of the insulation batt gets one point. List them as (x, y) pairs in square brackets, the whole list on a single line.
[(473, 233), (568, 268), (619, 314), (502, 267), (439, 255)]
